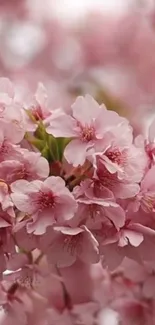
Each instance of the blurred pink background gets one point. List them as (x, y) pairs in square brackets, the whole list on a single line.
[(102, 47)]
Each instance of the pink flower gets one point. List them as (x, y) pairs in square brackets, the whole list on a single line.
[(86, 126), (11, 115), (130, 236), (72, 243), (20, 305), (85, 313), (121, 188), (148, 144), (6, 220), (126, 242), (15, 262), (119, 155), (6, 93), (8, 150), (46, 203), (119, 165), (5, 199), (28, 242), (60, 318), (149, 286), (13, 123), (29, 166), (37, 108), (133, 310), (146, 197), (7, 245), (96, 205), (143, 274), (86, 276)]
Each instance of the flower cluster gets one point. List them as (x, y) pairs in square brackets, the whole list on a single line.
[(77, 212)]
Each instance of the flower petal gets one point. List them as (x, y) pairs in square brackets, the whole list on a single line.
[(76, 152)]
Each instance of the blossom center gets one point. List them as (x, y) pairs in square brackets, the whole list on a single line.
[(37, 113), (148, 202), (106, 178), (87, 133), (116, 156), (46, 200), (73, 244), (21, 173), (150, 150), (4, 148)]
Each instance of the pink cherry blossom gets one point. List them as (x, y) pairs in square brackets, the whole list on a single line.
[(125, 243), (148, 287), (37, 109), (46, 202), (29, 166), (40, 109), (148, 143), (7, 149), (121, 188), (121, 156), (7, 244), (13, 116), (28, 242), (63, 318), (18, 305), (6, 92), (10, 113), (95, 209), (5, 219), (86, 276), (86, 126), (143, 274), (85, 313), (146, 197), (5, 199), (73, 243), (132, 310)]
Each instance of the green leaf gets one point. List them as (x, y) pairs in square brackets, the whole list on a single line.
[(40, 132), (39, 144), (57, 146), (60, 146), (46, 152), (53, 147)]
